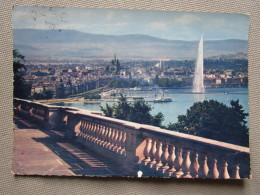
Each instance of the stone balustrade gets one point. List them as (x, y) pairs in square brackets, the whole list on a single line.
[(133, 147), (173, 154)]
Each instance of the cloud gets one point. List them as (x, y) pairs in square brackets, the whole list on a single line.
[(187, 19), (112, 24), (110, 15), (157, 25)]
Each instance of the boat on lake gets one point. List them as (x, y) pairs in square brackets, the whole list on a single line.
[(138, 98), (162, 99)]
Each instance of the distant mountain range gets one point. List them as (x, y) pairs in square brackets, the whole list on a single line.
[(71, 44)]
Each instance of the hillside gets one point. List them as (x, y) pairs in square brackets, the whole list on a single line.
[(70, 44)]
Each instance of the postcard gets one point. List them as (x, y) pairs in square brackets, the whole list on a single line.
[(139, 93)]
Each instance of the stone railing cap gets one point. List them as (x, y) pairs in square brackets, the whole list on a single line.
[(147, 128)]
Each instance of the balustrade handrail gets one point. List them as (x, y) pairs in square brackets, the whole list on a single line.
[(156, 131), (153, 146), (152, 130)]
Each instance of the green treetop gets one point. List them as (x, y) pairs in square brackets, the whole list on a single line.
[(138, 112), (214, 120)]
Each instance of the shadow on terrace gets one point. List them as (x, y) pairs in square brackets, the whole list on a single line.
[(72, 156)]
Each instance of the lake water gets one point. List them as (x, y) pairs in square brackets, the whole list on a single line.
[(182, 100)]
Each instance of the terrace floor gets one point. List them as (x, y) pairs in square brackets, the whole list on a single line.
[(46, 152)]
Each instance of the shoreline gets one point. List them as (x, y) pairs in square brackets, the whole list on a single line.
[(114, 99)]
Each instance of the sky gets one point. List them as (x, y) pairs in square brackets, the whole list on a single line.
[(162, 24)]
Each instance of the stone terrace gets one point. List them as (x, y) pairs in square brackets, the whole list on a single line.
[(71, 141), (47, 152)]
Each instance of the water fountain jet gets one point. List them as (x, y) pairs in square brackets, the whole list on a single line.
[(198, 82)]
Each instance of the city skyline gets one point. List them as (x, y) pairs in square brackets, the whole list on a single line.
[(169, 25)]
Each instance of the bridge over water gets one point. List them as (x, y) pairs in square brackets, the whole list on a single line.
[(53, 140)]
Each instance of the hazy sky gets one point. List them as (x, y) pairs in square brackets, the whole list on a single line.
[(167, 25)]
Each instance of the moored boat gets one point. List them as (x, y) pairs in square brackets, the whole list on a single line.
[(162, 99)]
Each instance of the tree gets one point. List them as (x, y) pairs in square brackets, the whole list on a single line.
[(122, 108), (47, 94), (22, 89), (138, 112), (214, 120), (158, 119), (92, 96), (108, 110)]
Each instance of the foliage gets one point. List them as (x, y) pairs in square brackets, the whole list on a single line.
[(92, 96), (124, 83), (60, 90), (166, 82), (46, 94), (138, 112), (22, 89), (214, 120), (108, 110), (39, 73)]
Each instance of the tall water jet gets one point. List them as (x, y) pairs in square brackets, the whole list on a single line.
[(198, 82)]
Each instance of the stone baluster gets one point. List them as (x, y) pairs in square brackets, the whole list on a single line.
[(205, 167), (30, 111), (148, 146), (237, 176), (225, 171), (80, 135), (102, 135), (159, 156), (93, 138), (196, 165), (171, 160), (87, 130), (111, 139), (92, 132), (152, 154), (107, 132), (87, 125), (65, 120), (215, 170), (187, 164), (123, 144), (84, 130), (115, 141), (119, 138), (81, 132), (165, 157), (99, 137), (100, 131), (97, 133), (179, 172), (110, 135)]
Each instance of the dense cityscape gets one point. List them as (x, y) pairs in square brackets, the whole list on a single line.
[(64, 80)]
